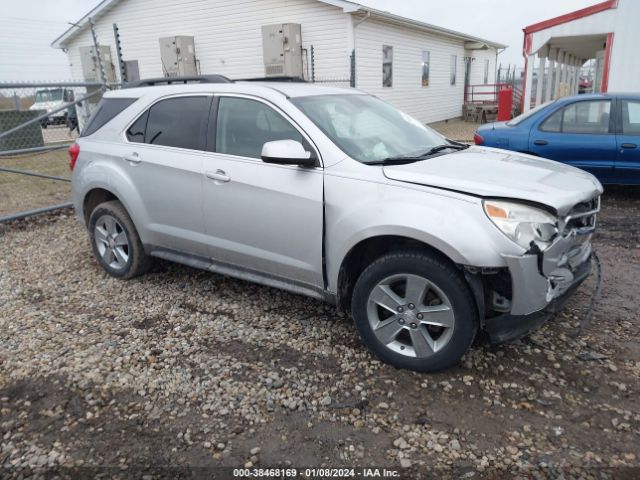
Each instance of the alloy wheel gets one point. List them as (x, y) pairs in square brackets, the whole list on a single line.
[(112, 242), (410, 315)]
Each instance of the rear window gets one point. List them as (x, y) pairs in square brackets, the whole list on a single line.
[(107, 109), (523, 116)]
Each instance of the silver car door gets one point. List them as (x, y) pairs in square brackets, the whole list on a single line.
[(163, 157), (262, 217)]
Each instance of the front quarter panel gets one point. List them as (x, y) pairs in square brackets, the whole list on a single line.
[(360, 203)]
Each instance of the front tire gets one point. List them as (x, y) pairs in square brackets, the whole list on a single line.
[(115, 241), (414, 311)]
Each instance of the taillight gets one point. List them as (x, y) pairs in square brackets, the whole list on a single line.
[(74, 151), (478, 139)]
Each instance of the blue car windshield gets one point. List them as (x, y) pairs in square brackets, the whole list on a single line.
[(523, 116)]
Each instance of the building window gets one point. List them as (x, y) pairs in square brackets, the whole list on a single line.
[(454, 68), (486, 71), (387, 66), (425, 67)]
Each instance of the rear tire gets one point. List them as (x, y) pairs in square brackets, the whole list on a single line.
[(115, 241), (414, 311)]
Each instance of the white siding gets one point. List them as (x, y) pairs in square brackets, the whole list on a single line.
[(439, 100), (624, 72), (228, 37), (476, 76)]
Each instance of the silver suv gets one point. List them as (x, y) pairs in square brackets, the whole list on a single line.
[(335, 194)]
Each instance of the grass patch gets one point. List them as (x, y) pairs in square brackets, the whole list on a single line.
[(20, 192)]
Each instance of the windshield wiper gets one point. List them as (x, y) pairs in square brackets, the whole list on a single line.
[(404, 159), (439, 148), (400, 160)]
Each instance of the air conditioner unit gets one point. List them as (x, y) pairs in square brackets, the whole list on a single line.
[(91, 67), (91, 72), (282, 50), (178, 56)]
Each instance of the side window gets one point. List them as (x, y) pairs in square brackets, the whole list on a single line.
[(553, 123), (135, 133), (589, 117), (245, 125), (630, 117), (586, 117), (177, 122)]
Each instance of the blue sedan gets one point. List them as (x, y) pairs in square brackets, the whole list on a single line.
[(599, 133)]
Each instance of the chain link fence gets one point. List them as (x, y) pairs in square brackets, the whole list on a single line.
[(38, 122)]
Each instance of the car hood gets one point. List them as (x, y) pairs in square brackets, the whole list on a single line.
[(494, 173)]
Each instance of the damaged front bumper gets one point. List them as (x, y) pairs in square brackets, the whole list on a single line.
[(541, 284)]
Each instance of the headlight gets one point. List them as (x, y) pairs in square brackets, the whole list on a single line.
[(521, 223)]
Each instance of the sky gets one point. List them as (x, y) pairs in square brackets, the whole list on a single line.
[(29, 27)]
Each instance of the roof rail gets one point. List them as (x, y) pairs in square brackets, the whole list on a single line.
[(273, 79), (150, 82)]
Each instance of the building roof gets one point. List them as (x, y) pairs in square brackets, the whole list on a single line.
[(571, 16), (475, 43)]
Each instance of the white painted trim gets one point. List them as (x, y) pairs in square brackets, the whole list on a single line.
[(547, 90), (528, 80), (541, 64)]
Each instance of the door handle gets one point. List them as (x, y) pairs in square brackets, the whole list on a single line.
[(628, 145), (133, 158), (218, 176), (541, 142)]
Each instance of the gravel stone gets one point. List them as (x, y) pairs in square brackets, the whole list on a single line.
[(185, 367)]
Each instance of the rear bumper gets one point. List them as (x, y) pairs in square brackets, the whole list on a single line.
[(510, 326)]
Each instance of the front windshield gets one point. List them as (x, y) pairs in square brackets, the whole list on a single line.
[(48, 96), (366, 128), (523, 116)]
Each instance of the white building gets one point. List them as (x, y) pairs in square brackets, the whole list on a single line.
[(425, 64), (607, 32)]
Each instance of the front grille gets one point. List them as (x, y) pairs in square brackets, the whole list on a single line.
[(581, 220)]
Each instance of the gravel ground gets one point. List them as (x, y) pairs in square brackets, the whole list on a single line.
[(184, 368), (456, 129)]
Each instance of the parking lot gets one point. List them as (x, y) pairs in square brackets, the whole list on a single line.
[(184, 368)]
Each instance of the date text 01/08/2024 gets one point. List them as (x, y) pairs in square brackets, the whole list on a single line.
[(286, 473)]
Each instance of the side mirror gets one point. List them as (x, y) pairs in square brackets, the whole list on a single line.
[(287, 152)]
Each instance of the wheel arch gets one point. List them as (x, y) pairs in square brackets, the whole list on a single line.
[(93, 198), (368, 250)]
